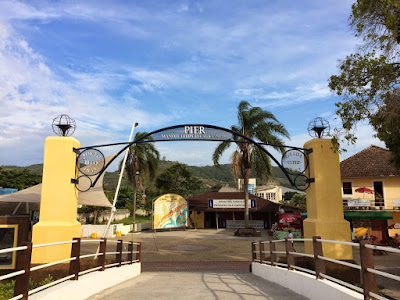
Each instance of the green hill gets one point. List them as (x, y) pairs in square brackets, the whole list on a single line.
[(209, 175)]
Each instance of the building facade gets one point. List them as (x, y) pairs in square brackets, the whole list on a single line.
[(371, 192), (226, 210)]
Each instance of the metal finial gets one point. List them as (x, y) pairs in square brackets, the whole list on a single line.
[(63, 125), (318, 128)]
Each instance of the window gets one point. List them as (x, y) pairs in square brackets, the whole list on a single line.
[(271, 196), (347, 189)]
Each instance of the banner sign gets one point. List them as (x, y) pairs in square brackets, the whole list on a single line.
[(257, 224), (358, 202), (192, 132), (230, 203), (170, 211)]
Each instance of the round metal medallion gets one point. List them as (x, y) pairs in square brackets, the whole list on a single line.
[(91, 162)]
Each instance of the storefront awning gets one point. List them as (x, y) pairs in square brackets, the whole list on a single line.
[(364, 215)]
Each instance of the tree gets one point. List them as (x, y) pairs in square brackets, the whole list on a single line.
[(254, 123), (369, 80), (18, 179), (177, 179), (288, 195), (141, 165), (298, 200)]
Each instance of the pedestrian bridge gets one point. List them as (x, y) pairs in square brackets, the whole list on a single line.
[(117, 273)]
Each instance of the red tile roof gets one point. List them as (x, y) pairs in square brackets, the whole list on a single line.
[(373, 162)]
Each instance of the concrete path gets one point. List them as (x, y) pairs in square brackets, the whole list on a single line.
[(200, 285)]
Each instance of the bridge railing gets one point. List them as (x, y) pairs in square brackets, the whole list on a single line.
[(24, 253), (366, 267)]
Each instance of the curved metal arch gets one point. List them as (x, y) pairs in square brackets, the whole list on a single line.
[(234, 133)]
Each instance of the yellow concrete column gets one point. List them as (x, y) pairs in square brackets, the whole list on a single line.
[(59, 200), (324, 202)]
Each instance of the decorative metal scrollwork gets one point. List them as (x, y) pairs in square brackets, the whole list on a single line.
[(89, 162), (294, 163), (83, 183)]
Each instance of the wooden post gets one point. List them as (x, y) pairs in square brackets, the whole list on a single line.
[(272, 248), (253, 251), (138, 249), (118, 257), (289, 257), (368, 278), (130, 254), (319, 263), (101, 259), (74, 265), (262, 254), (23, 263)]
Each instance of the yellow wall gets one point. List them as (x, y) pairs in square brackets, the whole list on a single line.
[(276, 189), (391, 189), (396, 219), (324, 202), (197, 219), (59, 199)]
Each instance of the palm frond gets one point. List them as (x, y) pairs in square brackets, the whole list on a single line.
[(218, 152)]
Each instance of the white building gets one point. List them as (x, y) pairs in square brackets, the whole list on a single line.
[(270, 192)]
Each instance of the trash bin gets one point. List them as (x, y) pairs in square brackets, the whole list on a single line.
[(94, 235)]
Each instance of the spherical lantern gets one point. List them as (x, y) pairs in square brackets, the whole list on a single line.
[(318, 128), (63, 125)]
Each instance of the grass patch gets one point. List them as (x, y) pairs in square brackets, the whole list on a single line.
[(7, 289), (138, 219)]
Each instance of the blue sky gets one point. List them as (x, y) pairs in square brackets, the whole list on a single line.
[(108, 64)]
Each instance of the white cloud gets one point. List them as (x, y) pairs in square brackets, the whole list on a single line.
[(33, 95), (189, 55)]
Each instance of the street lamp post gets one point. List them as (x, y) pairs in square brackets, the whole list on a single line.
[(134, 201)]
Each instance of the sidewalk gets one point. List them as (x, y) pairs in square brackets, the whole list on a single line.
[(208, 249), (183, 286)]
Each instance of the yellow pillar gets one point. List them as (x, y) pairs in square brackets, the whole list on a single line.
[(59, 199), (324, 202)]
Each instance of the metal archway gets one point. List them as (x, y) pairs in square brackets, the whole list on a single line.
[(90, 160)]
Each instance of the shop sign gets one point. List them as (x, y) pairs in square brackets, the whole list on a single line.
[(358, 202), (257, 224), (396, 202), (193, 132), (294, 161), (34, 217), (230, 203), (91, 162)]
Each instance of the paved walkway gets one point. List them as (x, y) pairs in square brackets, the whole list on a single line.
[(210, 250), (201, 285)]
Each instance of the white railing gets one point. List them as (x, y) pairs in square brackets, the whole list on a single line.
[(22, 275), (366, 255)]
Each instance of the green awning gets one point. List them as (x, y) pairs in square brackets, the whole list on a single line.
[(364, 215)]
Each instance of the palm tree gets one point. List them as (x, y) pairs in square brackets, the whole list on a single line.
[(141, 165), (259, 124)]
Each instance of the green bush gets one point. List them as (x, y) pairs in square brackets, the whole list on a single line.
[(7, 289), (138, 219)]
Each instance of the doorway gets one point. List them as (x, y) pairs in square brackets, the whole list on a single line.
[(379, 198)]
